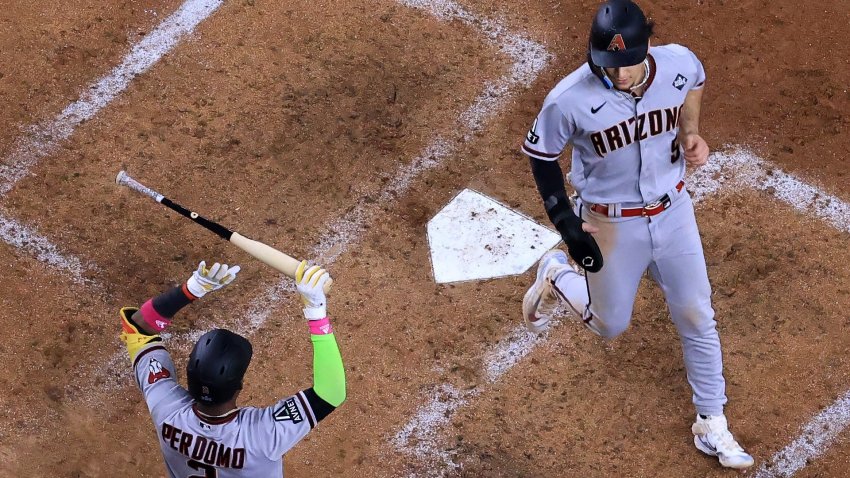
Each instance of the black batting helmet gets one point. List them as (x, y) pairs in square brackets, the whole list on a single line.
[(619, 35), (216, 366)]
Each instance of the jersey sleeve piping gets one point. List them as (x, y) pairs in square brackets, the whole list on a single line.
[(309, 411), (539, 155)]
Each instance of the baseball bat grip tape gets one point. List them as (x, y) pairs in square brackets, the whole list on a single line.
[(124, 179), (283, 263)]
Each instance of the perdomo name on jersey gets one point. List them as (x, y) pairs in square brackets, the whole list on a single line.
[(636, 128), (202, 449)]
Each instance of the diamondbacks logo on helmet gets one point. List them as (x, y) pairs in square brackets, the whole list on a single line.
[(157, 372), (617, 43)]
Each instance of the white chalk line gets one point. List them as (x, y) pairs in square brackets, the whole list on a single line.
[(44, 139), (741, 168), (22, 237), (816, 437), (423, 435)]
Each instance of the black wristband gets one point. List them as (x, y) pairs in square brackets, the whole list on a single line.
[(170, 302)]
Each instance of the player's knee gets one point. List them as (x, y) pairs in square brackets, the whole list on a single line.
[(607, 329), (695, 320)]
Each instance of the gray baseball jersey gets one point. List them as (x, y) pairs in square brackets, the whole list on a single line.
[(249, 442), (612, 160), (626, 153)]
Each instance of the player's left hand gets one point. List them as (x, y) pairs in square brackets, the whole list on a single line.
[(696, 150), (580, 243), (310, 283), (206, 280)]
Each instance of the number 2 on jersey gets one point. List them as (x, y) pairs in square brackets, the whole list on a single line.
[(209, 471)]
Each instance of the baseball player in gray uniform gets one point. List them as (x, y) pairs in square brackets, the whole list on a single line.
[(202, 432), (631, 116)]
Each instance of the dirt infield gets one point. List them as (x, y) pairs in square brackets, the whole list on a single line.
[(282, 118)]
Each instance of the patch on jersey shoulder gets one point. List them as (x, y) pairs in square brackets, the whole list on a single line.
[(680, 82), (288, 412), (156, 371), (532, 133)]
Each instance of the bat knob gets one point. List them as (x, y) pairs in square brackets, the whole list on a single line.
[(120, 178)]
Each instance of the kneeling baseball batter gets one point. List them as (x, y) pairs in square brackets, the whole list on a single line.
[(631, 115), (202, 432)]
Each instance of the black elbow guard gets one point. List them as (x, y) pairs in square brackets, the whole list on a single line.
[(560, 210)]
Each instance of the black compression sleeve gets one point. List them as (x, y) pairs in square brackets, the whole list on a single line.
[(320, 407), (169, 302), (550, 185), (549, 178)]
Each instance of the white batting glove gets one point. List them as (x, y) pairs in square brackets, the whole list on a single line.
[(206, 280), (310, 283)]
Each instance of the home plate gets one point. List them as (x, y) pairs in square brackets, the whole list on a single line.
[(476, 237)]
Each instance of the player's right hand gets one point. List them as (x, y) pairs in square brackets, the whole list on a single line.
[(696, 150), (206, 280), (310, 283), (580, 244)]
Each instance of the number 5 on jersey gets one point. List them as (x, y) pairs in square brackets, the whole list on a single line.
[(675, 151)]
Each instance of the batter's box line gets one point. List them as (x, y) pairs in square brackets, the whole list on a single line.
[(736, 167), (44, 139), (740, 167), (25, 239)]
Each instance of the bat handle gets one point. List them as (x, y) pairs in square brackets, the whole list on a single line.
[(124, 179), (284, 263)]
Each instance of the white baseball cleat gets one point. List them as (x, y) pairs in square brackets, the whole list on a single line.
[(539, 303), (712, 437)]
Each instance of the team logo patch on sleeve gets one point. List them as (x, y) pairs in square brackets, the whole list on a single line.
[(680, 82), (156, 371), (532, 134), (288, 412)]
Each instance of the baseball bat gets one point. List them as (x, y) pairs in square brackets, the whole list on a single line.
[(262, 252)]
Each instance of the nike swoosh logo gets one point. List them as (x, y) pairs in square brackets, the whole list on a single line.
[(707, 444), (594, 110)]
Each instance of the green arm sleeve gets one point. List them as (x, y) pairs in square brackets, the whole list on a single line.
[(328, 371)]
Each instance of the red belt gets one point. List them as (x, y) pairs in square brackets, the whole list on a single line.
[(649, 210)]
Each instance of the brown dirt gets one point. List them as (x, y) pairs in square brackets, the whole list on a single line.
[(48, 55), (288, 117), (835, 459)]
